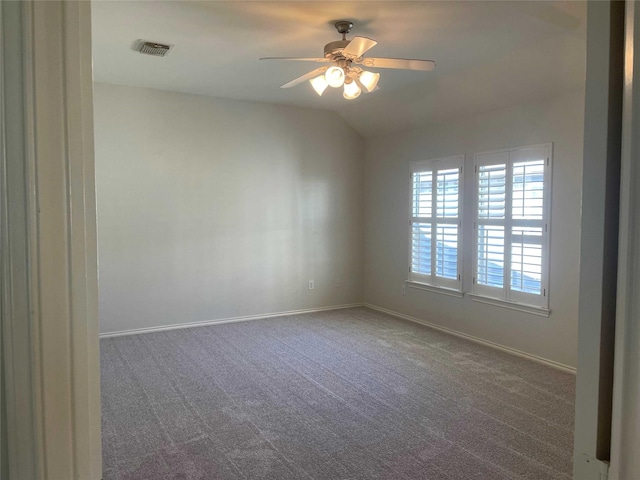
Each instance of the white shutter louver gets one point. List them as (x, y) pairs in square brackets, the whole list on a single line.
[(528, 190), (448, 184), (492, 191), (421, 248), (490, 270), (447, 251), (526, 259), (422, 192)]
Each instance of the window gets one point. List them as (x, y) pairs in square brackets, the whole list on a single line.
[(435, 234), (512, 225)]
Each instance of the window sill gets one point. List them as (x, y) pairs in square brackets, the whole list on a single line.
[(540, 311), (452, 292)]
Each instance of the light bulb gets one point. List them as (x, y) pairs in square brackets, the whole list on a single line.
[(319, 84), (335, 76), (351, 90), (369, 80)]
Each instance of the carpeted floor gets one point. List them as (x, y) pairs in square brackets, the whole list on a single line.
[(344, 394)]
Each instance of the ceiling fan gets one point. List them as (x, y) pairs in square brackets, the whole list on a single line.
[(345, 57)]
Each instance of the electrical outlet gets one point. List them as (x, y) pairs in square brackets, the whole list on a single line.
[(311, 285), (403, 289), (337, 284)]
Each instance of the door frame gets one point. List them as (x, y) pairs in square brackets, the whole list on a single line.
[(625, 437), (49, 254)]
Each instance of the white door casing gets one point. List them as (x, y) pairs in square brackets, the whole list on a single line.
[(625, 435), (55, 434), (598, 243)]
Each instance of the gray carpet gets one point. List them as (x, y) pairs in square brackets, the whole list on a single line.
[(345, 394)]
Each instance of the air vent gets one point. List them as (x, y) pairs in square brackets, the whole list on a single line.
[(153, 48)]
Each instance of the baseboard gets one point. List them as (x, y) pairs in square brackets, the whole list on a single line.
[(497, 346), (204, 323)]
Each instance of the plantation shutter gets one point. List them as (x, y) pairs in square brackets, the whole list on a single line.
[(435, 222), (511, 227)]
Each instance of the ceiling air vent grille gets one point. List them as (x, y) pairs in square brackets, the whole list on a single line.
[(153, 48)]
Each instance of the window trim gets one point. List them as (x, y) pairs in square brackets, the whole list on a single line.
[(452, 292), (433, 282), (520, 307), (505, 296)]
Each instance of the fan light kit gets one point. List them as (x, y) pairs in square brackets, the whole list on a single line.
[(345, 57)]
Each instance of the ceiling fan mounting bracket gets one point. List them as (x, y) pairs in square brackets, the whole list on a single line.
[(343, 27)]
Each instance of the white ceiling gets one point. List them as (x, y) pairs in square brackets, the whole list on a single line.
[(488, 54)]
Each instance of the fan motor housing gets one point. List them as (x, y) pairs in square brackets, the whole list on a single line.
[(335, 48)]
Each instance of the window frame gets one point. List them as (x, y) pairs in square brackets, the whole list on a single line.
[(433, 281), (505, 294)]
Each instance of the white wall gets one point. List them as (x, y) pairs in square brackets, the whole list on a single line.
[(213, 208), (182, 240), (387, 213)]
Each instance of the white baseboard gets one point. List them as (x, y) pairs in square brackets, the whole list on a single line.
[(204, 323), (497, 346)]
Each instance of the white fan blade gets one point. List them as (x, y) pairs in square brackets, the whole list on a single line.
[(298, 59), (399, 63), (358, 47), (308, 76)]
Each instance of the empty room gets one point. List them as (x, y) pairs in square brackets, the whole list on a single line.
[(267, 255), (317, 240)]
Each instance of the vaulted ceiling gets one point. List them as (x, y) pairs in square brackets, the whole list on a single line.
[(488, 54)]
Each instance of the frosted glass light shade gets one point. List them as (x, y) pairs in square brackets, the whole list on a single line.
[(319, 84), (351, 91), (334, 76), (369, 80)]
